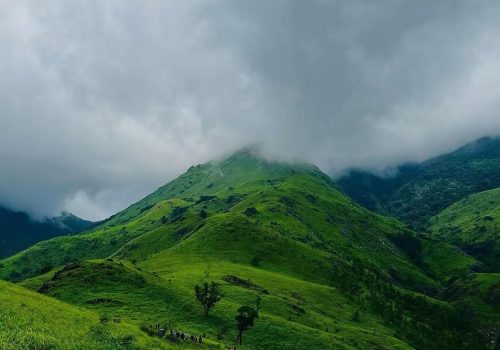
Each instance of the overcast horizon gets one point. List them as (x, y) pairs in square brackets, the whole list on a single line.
[(103, 102)]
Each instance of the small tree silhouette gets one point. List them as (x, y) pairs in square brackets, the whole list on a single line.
[(208, 295), (245, 320)]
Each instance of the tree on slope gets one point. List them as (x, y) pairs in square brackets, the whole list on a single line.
[(208, 295), (245, 320)]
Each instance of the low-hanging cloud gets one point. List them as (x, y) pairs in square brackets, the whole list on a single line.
[(102, 102)]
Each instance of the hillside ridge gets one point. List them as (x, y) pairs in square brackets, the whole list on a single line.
[(18, 230), (330, 274), (418, 191)]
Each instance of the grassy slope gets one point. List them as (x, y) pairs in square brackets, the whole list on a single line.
[(32, 321), (473, 224), (298, 203), (143, 298), (302, 215), (286, 228)]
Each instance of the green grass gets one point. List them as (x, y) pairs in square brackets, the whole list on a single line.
[(473, 224), (292, 309), (31, 321)]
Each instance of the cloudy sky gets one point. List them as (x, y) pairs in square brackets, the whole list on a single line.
[(101, 102)]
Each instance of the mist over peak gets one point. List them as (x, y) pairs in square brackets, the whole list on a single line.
[(106, 102)]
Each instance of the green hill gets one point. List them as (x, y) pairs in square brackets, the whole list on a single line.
[(286, 317), (419, 191), (296, 204), (330, 274), (18, 230), (474, 225), (32, 321)]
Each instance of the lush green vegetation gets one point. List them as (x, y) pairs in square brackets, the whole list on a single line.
[(322, 271), (474, 225), (292, 310), (419, 191), (29, 321), (480, 290)]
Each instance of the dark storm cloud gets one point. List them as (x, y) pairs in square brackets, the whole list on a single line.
[(101, 102)]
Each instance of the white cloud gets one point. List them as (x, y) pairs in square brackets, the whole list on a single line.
[(102, 102)]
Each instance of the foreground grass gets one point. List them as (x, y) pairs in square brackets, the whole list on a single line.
[(32, 321)]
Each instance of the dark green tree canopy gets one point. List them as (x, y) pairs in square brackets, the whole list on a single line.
[(208, 295), (245, 320)]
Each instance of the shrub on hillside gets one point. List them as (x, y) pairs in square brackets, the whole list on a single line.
[(255, 261), (208, 295), (251, 211), (245, 320)]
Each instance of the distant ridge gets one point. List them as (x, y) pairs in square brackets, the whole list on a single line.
[(421, 190), (18, 230)]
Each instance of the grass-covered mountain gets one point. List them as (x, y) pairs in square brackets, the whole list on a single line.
[(474, 225), (420, 191), (329, 273), (19, 231)]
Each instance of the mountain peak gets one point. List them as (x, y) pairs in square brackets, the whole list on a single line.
[(254, 155), (70, 222)]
